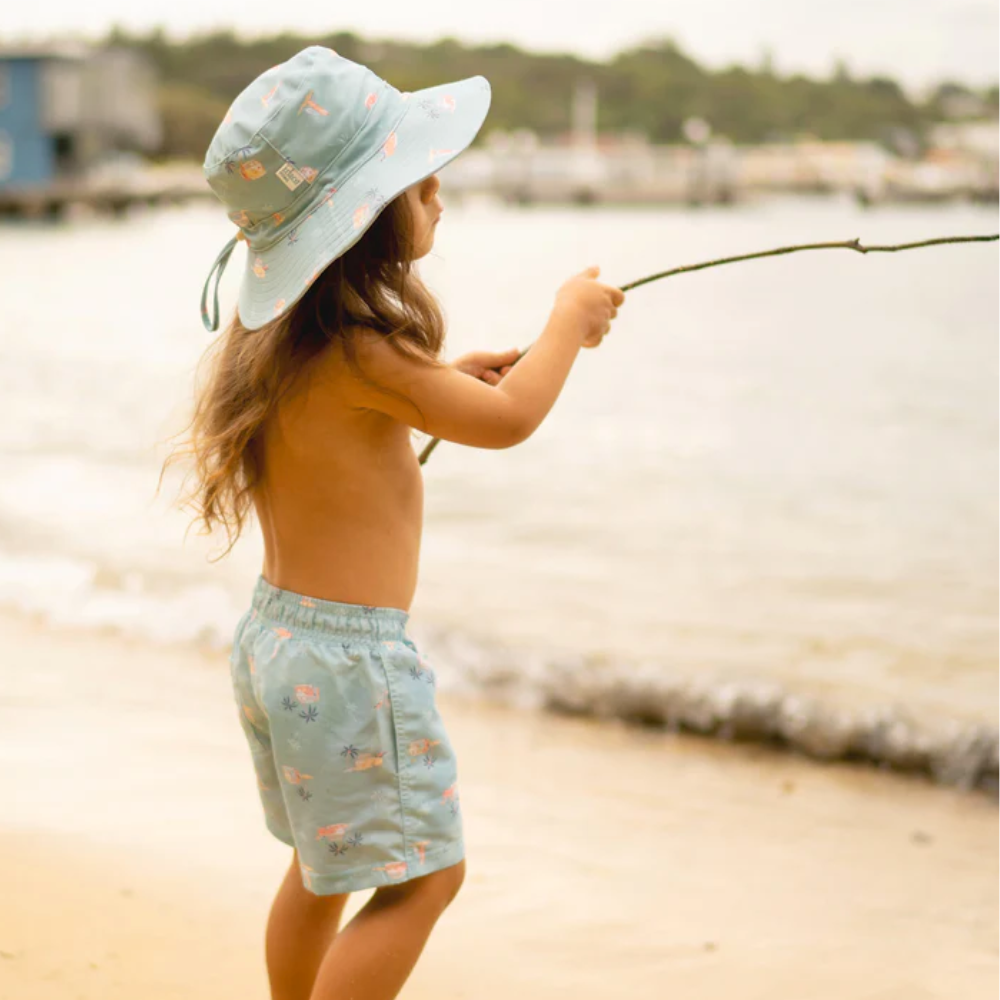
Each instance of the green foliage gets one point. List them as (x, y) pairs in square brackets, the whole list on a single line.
[(653, 88)]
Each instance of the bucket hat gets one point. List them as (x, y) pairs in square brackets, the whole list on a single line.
[(307, 157)]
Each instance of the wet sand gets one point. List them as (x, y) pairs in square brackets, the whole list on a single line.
[(602, 861)]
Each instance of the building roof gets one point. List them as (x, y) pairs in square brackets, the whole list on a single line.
[(45, 50)]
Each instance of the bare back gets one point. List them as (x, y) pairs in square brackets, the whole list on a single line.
[(340, 503)]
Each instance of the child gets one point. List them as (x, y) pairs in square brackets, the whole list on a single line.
[(332, 359)]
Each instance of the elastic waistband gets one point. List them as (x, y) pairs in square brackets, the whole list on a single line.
[(300, 611)]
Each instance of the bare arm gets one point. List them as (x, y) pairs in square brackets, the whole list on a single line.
[(448, 404)]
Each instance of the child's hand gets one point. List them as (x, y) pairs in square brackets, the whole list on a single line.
[(594, 303), (488, 366)]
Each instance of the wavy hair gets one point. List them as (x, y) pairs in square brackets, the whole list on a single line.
[(372, 286)]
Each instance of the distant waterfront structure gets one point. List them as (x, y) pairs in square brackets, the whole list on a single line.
[(70, 114), (66, 109)]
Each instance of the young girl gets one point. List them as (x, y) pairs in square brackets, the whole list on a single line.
[(307, 415)]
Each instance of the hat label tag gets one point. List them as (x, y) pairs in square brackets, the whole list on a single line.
[(289, 176)]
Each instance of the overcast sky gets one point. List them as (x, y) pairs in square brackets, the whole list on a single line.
[(916, 41)]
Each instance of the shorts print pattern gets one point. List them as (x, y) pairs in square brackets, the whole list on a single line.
[(354, 766)]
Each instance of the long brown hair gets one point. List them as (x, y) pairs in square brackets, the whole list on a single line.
[(372, 285)]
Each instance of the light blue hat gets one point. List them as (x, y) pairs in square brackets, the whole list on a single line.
[(309, 154)]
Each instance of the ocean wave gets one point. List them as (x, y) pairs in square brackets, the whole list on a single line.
[(73, 593), (949, 751)]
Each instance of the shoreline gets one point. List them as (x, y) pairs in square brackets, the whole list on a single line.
[(601, 860), (751, 712)]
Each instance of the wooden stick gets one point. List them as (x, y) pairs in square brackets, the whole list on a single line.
[(854, 244)]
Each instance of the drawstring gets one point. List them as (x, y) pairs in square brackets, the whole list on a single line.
[(217, 268)]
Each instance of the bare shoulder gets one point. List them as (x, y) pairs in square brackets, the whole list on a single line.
[(387, 366), (430, 395)]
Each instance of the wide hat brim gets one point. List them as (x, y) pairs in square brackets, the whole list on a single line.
[(437, 124)]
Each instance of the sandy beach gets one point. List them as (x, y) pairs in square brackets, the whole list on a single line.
[(602, 861)]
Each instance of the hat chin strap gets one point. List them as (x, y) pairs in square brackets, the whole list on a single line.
[(217, 268)]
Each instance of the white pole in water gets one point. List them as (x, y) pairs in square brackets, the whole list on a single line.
[(584, 159), (585, 115)]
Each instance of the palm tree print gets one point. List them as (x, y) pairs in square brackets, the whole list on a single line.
[(288, 704), (310, 714), (336, 848), (416, 673), (350, 751), (429, 761), (295, 743), (354, 839), (304, 795)]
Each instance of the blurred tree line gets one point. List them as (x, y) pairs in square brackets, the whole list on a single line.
[(652, 88)]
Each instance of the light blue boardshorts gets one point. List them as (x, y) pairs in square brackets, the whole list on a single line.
[(354, 767)]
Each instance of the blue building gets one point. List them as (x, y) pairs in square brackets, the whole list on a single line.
[(66, 110)]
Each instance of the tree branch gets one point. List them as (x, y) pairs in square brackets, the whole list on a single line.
[(845, 245), (854, 244)]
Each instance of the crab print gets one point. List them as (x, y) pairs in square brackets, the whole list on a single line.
[(421, 847), (259, 268), (370, 100), (306, 694), (333, 831), (394, 869), (417, 747), (294, 776), (365, 761), (251, 170)]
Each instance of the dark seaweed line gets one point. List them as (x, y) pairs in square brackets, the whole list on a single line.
[(955, 753), (964, 755)]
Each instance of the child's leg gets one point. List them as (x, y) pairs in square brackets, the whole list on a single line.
[(299, 931), (372, 957)]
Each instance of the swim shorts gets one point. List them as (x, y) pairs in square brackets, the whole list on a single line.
[(354, 766)]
